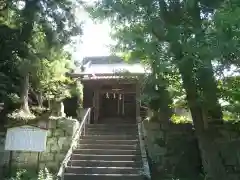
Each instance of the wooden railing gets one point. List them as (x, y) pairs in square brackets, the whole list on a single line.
[(75, 140)]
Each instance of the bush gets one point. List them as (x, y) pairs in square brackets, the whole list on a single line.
[(180, 119), (45, 175), (38, 111), (23, 174)]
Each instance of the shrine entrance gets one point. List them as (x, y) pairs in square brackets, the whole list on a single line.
[(111, 87), (110, 105), (112, 99), (117, 105)]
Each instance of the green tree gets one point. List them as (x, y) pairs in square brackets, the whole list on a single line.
[(49, 81), (138, 44), (183, 29), (53, 22), (230, 94)]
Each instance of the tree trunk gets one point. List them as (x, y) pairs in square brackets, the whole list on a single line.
[(40, 99), (49, 104), (204, 72), (211, 159), (38, 96), (165, 101), (210, 92), (24, 95)]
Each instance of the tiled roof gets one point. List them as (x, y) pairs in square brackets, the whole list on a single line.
[(108, 77), (109, 65), (114, 68), (102, 60)]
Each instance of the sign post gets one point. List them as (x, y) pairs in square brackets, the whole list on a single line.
[(26, 138)]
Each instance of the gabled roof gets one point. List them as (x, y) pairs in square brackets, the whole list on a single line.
[(109, 65), (102, 60)]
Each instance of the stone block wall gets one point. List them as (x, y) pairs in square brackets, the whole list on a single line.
[(59, 138), (174, 152), (227, 141), (183, 112), (2, 153)]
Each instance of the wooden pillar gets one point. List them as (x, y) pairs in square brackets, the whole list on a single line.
[(96, 106), (137, 100), (123, 105)]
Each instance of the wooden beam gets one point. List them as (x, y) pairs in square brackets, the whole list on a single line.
[(117, 92), (106, 74), (111, 81), (137, 100)]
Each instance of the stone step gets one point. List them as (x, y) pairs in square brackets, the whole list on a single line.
[(111, 137), (103, 163), (105, 126), (105, 157), (108, 146), (117, 121), (103, 170), (112, 130), (72, 176), (107, 151), (109, 133), (115, 125), (121, 125), (106, 141)]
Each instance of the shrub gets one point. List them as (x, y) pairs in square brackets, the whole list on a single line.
[(180, 119), (23, 174)]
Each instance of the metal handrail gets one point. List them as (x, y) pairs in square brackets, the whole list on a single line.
[(76, 136), (144, 107), (143, 147), (141, 134), (142, 119)]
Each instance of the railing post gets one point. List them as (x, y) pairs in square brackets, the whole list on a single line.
[(76, 136), (84, 128), (146, 169), (89, 116), (62, 178)]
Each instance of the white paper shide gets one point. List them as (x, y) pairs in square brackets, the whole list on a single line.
[(26, 138)]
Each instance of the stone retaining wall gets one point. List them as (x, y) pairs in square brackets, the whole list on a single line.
[(174, 151), (2, 154), (59, 138), (227, 138)]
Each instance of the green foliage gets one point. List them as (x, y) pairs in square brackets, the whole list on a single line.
[(176, 119), (32, 39), (77, 90), (45, 175), (230, 93), (14, 98), (50, 77), (38, 111), (186, 43), (226, 31), (23, 174), (20, 115), (175, 38)]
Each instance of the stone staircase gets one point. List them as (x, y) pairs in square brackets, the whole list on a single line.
[(106, 152)]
